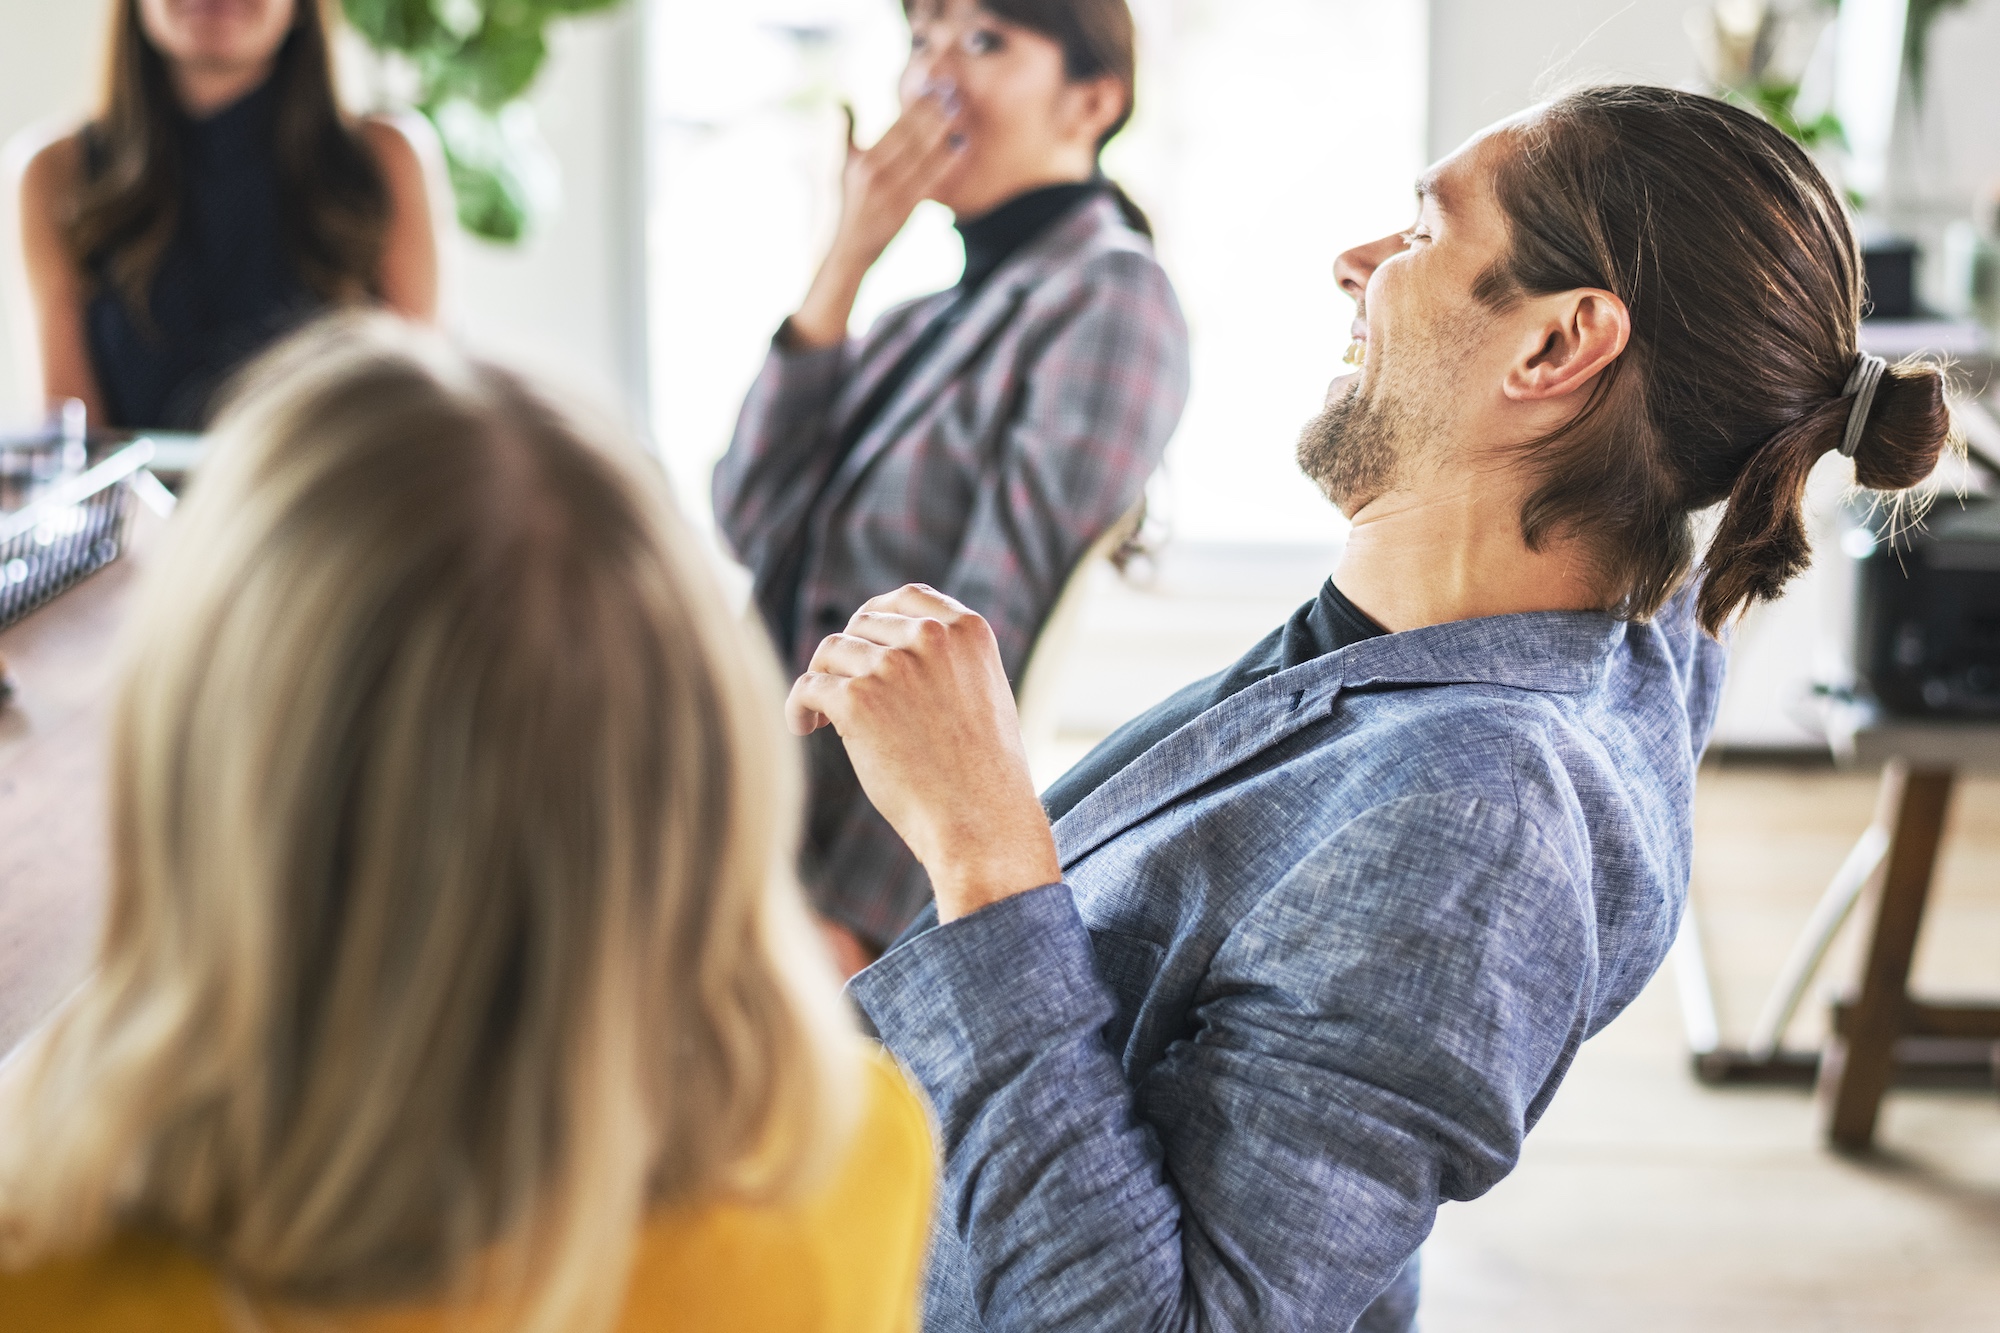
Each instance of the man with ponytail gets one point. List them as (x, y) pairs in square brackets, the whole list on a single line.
[(1308, 948)]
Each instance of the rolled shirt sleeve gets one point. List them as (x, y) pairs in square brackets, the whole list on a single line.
[(1375, 1035)]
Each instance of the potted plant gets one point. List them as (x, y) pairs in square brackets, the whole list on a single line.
[(472, 64)]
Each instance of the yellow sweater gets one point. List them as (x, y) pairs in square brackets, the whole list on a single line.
[(847, 1260)]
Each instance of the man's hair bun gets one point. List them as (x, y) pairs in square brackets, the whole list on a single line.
[(1761, 542), (1908, 429), (1736, 258)]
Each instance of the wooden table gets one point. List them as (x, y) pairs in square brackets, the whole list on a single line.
[(1920, 765), (52, 837)]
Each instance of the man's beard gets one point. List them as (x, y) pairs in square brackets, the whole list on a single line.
[(1363, 445), (1351, 448)]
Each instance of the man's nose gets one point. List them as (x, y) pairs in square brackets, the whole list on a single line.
[(1353, 269)]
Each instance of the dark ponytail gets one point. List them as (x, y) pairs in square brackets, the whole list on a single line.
[(1761, 543), (1736, 261), (1098, 38), (1135, 216), (1909, 428)]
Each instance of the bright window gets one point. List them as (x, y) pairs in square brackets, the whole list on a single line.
[(1270, 135)]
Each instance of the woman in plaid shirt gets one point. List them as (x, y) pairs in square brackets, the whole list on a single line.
[(979, 439)]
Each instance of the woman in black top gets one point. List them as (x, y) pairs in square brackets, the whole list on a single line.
[(218, 200)]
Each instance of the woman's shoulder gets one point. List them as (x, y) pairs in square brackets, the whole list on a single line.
[(401, 144), (1099, 258), (895, 1131), (885, 1171), (854, 1245), (47, 167), (136, 1281), (1101, 238)]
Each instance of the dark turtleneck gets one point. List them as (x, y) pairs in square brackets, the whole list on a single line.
[(998, 235)]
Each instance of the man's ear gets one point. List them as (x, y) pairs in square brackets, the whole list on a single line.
[(1576, 335)]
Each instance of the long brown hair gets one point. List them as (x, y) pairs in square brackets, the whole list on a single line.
[(334, 203), (1098, 39), (1736, 260), (451, 904)]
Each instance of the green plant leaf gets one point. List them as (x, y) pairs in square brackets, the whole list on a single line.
[(394, 25), (495, 67), (1778, 103), (474, 59), (488, 206), (494, 162), (460, 18)]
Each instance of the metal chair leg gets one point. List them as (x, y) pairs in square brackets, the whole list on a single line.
[(1809, 950)]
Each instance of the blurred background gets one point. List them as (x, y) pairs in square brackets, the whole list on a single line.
[(676, 165), (656, 197)]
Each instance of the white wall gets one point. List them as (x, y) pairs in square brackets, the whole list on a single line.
[(569, 300), (1962, 120), (1491, 58), (50, 53)]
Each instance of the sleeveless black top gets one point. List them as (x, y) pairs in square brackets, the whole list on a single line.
[(225, 289)]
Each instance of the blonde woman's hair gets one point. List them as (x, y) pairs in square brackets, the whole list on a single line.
[(451, 926)]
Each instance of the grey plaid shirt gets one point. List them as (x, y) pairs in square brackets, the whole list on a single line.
[(1029, 430)]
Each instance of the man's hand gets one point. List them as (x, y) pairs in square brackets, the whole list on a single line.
[(916, 690)]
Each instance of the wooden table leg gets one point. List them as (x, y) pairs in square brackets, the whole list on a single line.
[(1857, 1066)]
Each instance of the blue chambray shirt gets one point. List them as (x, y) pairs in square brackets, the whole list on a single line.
[(1320, 960)]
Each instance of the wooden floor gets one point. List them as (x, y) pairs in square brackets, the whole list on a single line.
[(1647, 1202)]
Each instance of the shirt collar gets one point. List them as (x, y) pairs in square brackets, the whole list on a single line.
[(1553, 652)]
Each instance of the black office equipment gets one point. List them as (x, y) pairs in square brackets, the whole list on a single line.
[(1889, 268), (1928, 637)]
